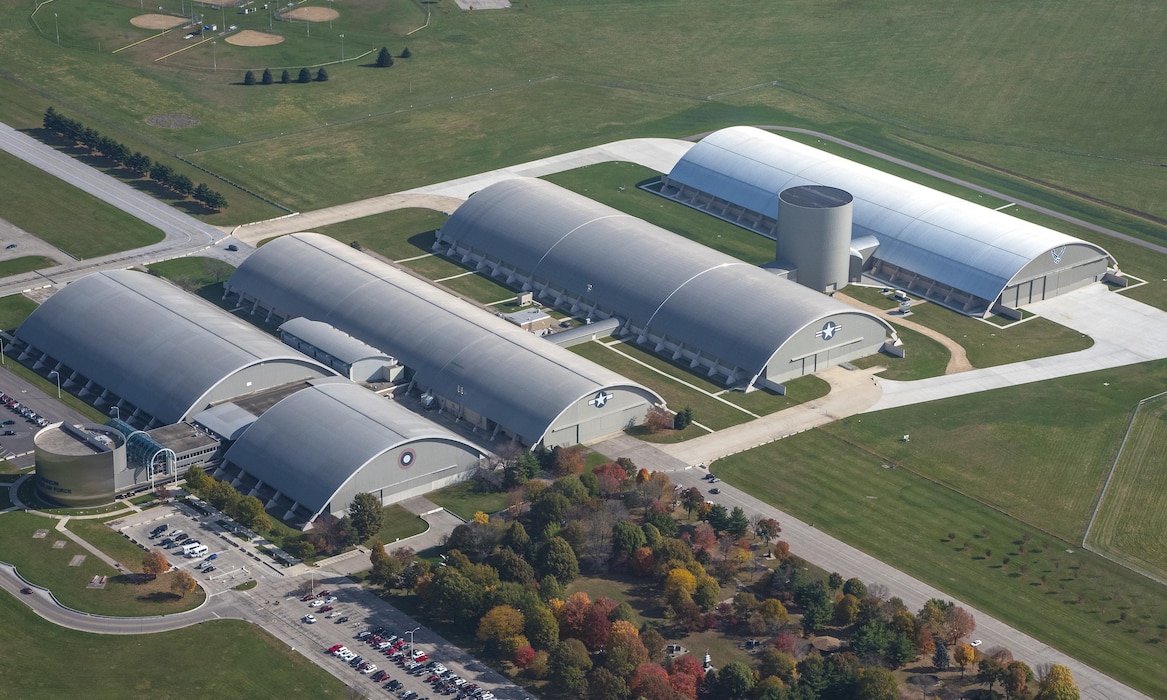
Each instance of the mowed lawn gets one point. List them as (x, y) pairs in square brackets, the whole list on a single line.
[(41, 563), (707, 410), (1083, 605), (396, 235), (64, 216), (224, 658), (14, 309), (1132, 522)]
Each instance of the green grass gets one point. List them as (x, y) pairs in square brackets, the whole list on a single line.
[(111, 666), (193, 273), (403, 233), (466, 498), (28, 263), (398, 524), (51, 210), (923, 357), (1131, 524), (14, 309), (436, 267), (40, 563), (707, 410), (614, 184), (1073, 601), (99, 534), (478, 288)]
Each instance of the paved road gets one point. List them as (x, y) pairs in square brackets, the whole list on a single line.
[(183, 233)]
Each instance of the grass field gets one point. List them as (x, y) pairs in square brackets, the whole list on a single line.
[(28, 191), (1093, 610), (205, 661), (466, 498), (398, 524), (40, 563), (193, 273), (707, 410), (1131, 523), (99, 534), (396, 235), (25, 264), (923, 357)]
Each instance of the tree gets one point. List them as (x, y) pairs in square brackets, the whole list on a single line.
[(738, 524), (877, 683), (499, 623), (567, 460), (454, 597), (155, 563), (569, 662), (958, 624), (405, 52), (559, 560), (627, 537), (605, 685), (541, 628), (989, 672), (285, 77), (249, 78), (691, 499), (651, 682), (777, 663), (658, 419), (305, 76), (162, 493), (183, 583), (735, 680), (846, 611), (683, 419), (940, 657), (266, 79), (1018, 676), (321, 75), (250, 512), (1057, 684), (366, 515), (384, 60), (855, 587), (963, 656)]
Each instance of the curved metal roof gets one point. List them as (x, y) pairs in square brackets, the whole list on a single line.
[(309, 445), (150, 342), (459, 350), (336, 343), (654, 278), (948, 239)]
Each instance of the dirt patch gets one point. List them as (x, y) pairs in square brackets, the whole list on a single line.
[(312, 14), (250, 37), (221, 3), (171, 121), (158, 21)]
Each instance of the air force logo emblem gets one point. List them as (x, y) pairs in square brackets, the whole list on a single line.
[(600, 399), (1058, 255), (830, 328)]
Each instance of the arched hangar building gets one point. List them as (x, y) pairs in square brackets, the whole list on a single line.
[(500, 379), (738, 323), (134, 341), (315, 450), (948, 250)]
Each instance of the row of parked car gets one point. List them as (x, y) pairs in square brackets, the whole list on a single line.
[(412, 661), (23, 410)]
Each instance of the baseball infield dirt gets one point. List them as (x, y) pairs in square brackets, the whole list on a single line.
[(157, 21), (312, 14), (249, 37)]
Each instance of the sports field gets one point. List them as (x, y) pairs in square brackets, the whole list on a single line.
[(1131, 524)]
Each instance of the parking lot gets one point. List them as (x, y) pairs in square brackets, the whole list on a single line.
[(278, 603), (17, 447)]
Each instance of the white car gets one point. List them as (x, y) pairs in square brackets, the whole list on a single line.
[(309, 619), (334, 613), (316, 603), (369, 669), (330, 599), (975, 643)]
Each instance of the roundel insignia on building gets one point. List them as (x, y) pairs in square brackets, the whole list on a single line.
[(600, 399), (830, 328), (406, 458)]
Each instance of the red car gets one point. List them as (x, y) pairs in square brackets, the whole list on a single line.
[(326, 608), (307, 598), (323, 594), (332, 649)]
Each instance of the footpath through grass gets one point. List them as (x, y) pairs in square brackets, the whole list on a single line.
[(224, 659), (42, 563), (64, 216)]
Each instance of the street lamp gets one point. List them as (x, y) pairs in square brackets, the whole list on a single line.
[(57, 27), (215, 56), (342, 48), (1, 350), (57, 374), (410, 633)]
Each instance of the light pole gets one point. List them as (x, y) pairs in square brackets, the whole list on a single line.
[(1, 350), (57, 27), (342, 48), (214, 56), (410, 633), (57, 374)]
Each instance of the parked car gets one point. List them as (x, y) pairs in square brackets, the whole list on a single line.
[(316, 603), (325, 608), (309, 619), (26, 590), (334, 648)]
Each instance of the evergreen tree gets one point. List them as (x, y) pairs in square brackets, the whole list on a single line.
[(321, 76), (405, 52), (305, 76), (249, 78), (384, 60), (266, 79), (286, 77)]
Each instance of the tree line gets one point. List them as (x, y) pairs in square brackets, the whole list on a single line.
[(267, 78), (136, 161)]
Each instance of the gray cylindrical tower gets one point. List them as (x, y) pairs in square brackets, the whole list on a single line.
[(814, 235)]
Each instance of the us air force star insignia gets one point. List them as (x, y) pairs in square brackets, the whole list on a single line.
[(1058, 255), (829, 330), (601, 398)]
